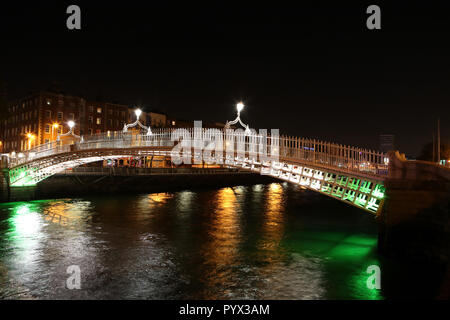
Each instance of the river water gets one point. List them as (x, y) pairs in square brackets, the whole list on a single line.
[(273, 241)]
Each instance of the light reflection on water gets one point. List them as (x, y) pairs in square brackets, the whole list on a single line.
[(258, 242)]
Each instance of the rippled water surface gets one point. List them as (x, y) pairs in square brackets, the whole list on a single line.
[(271, 241)]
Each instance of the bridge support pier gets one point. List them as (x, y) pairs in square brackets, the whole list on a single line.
[(9, 194), (414, 221), (4, 185)]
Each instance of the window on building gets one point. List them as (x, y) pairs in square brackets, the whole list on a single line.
[(60, 116), (110, 112), (99, 110), (47, 128), (99, 120), (90, 120), (123, 114), (71, 116), (90, 131), (48, 114), (110, 123), (173, 123), (91, 108), (98, 131)]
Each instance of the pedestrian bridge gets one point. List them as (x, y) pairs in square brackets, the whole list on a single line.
[(352, 175)]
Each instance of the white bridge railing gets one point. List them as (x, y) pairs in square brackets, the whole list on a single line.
[(290, 149)]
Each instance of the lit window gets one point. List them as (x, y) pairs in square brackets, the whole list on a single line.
[(99, 110), (173, 123), (99, 120)]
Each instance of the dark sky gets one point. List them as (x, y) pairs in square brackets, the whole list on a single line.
[(309, 68)]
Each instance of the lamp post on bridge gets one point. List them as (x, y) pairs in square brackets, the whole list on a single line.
[(240, 106), (71, 125), (138, 113)]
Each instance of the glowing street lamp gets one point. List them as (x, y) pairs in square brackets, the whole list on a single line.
[(30, 138), (240, 106), (71, 125), (138, 113)]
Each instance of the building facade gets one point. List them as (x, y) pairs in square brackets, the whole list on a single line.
[(156, 119), (103, 117), (37, 119), (40, 117)]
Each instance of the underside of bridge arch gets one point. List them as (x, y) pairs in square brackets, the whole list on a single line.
[(29, 176), (363, 192), (32, 172)]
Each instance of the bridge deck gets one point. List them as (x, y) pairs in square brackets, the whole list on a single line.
[(349, 174)]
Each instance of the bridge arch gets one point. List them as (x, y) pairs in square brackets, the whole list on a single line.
[(337, 171)]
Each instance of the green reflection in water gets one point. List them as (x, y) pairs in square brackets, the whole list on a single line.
[(25, 222), (345, 261), (23, 233)]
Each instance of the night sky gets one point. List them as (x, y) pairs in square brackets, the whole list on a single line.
[(309, 68)]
